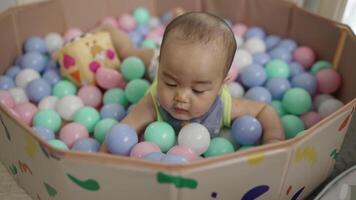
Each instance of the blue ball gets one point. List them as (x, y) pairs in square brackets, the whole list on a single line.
[(52, 64), (35, 44), (113, 110), (255, 31), (154, 156), (52, 76), (34, 60), (88, 145), (277, 87), (120, 139), (13, 71), (295, 69), (253, 75), (305, 81), (288, 44), (272, 41), (38, 89), (44, 133), (136, 38), (173, 159), (281, 53), (261, 58), (260, 94), (19, 60), (246, 130), (166, 18), (142, 29), (6, 83)]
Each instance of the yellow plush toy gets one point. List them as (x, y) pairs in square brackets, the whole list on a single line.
[(82, 57)]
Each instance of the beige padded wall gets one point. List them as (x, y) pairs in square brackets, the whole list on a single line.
[(231, 9), (119, 7), (163, 6)]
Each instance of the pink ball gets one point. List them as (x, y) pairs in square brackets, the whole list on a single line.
[(233, 73), (328, 81), (6, 99), (108, 78), (152, 34), (310, 118), (305, 56), (90, 95), (239, 29), (109, 21), (184, 151), (26, 111), (126, 22), (72, 33), (159, 30), (14, 114), (72, 132), (143, 148)]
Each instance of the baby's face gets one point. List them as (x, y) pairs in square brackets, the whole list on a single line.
[(190, 77)]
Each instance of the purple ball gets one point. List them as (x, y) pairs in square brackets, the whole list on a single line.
[(120, 139), (113, 110), (36, 44), (295, 69), (255, 31), (272, 41), (6, 83), (38, 89), (52, 76), (288, 44), (281, 53), (88, 145), (246, 130), (13, 71), (142, 29), (261, 58), (173, 159), (154, 156), (306, 81), (277, 87), (260, 94), (34, 60), (44, 133), (136, 37), (253, 75)]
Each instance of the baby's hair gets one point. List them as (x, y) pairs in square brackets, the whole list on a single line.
[(202, 27)]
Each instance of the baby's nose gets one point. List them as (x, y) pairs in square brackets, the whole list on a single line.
[(181, 97)]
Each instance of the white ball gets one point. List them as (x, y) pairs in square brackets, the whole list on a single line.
[(242, 59), (329, 106), (19, 95), (255, 45), (195, 136), (236, 90), (239, 41), (48, 102), (319, 99), (54, 41), (154, 22), (25, 76), (67, 106)]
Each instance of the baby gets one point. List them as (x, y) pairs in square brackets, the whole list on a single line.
[(196, 54)]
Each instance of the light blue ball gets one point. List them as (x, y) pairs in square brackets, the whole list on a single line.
[(52, 64), (305, 81), (113, 110), (136, 38), (281, 53), (142, 29), (255, 31), (295, 69), (6, 83), (13, 71), (173, 159), (261, 58), (36, 44), (246, 130), (52, 76), (288, 44), (34, 60), (260, 94), (272, 41), (253, 75), (44, 133), (120, 139), (19, 60), (88, 145), (38, 89), (154, 156), (277, 87)]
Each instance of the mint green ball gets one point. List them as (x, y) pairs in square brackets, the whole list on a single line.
[(162, 134), (278, 107), (245, 147), (219, 146), (47, 118), (58, 144), (319, 65), (132, 68), (292, 125), (148, 43), (88, 117), (117, 96), (297, 101), (64, 88), (141, 15), (102, 127), (136, 89), (277, 68)]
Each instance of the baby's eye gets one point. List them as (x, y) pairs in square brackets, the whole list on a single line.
[(198, 91), (171, 84)]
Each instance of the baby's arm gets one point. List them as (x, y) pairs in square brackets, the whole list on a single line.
[(271, 125)]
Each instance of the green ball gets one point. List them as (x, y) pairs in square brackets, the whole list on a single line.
[(277, 68), (278, 107), (64, 88), (297, 101), (245, 147), (88, 117), (58, 144), (132, 68), (136, 89), (148, 43), (48, 118), (292, 125), (162, 134), (319, 65), (117, 96), (102, 127), (219, 146), (141, 15)]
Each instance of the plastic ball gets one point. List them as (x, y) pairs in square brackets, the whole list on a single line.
[(35, 44), (173, 159), (12, 71), (109, 21), (88, 117), (277, 87), (148, 43), (281, 53), (90, 95), (253, 75), (295, 69), (54, 42), (183, 151), (242, 59), (142, 29), (6, 83), (255, 45), (136, 89), (236, 90), (102, 127), (246, 130), (64, 88), (72, 132), (115, 95), (329, 106), (141, 15), (310, 118), (132, 68), (227, 134), (6, 99), (261, 58), (154, 22), (51, 76), (288, 44), (38, 89), (255, 31), (305, 81), (154, 156), (195, 136), (143, 148), (34, 60), (292, 125), (277, 68), (88, 145), (113, 110), (233, 73), (239, 41), (278, 107), (58, 144), (305, 56), (19, 95), (25, 76), (219, 146), (68, 106), (297, 101), (120, 139), (127, 22), (319, 99), (26, 111), (47, 118), (48, 102), (108, 78), (272, 41), (136, 38), (71, 34), (44, 133), (260, 94), (329, 81), (319, 65), (239, 29), (162, 134)]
